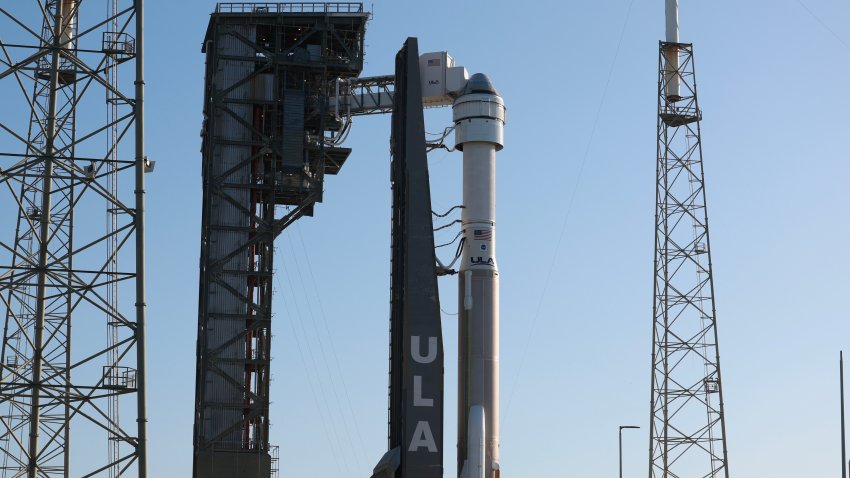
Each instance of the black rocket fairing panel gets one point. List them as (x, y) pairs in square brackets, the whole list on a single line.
[(416, 373)]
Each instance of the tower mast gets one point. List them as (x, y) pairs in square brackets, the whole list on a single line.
[(687, 427)]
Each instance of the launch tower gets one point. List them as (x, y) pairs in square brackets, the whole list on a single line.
[(270, 136)]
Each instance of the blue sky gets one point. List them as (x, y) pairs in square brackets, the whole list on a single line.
[(575, 219)]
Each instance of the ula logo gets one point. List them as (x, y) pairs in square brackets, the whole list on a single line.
[(422, 437), (477, 261)]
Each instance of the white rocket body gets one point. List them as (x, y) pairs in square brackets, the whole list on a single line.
[(671, 54), (479, 117)]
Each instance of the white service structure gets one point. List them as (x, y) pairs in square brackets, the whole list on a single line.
[(441, 79)]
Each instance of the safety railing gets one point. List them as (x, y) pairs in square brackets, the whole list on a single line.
[(115, 43), (119, 378), (291, 7)]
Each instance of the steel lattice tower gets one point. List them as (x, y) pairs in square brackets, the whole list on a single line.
[(687, 430), (270, 137), (71, 351)]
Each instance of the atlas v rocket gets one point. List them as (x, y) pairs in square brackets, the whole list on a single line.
[(416, 397), (479, 117)]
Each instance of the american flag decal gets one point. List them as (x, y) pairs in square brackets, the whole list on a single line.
[(482, 234), (434, 62)]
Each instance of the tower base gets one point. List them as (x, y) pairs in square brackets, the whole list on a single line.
[(233, 464)]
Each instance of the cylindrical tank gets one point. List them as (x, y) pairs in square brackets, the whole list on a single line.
[(479, 117), (67, 27), (672, 79), (69, 20)]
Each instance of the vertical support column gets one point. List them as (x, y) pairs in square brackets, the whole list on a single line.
[(43, 247), (51, 282), (843, 429), (141, 359), (421, 424), (479, 117), (416, 339)]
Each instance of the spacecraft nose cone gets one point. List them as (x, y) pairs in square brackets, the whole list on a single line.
[(479, 83)]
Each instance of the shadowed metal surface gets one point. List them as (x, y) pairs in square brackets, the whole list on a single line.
[(267, 146), (416, 340)]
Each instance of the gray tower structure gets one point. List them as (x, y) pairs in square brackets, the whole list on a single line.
[(72, 296), (687, 428), (270, 136)]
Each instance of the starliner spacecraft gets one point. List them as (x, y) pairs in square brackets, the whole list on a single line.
[(416, 351), (479, 117)]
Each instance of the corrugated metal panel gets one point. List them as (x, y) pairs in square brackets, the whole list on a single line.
[(293, 127), (225, 308), (263, 88)]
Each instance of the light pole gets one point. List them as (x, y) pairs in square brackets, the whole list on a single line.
[(621, 445), (841, 384)]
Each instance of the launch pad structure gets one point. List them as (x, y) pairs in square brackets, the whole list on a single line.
[(269, 139), (282, 85)]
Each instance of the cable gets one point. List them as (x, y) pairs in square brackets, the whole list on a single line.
[(459, 206), (440, 143), (456, 221), (342, 136), (330, 339), (823, 24), (450, 242), (447, 313), (316, 396), (323, 352), (442, 135), (569, 209), (435, 146), (460, 247)]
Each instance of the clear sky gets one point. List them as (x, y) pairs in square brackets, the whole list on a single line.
[(575, 219)]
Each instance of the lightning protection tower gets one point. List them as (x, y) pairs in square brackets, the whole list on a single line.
[(687, 428), (72, 300)]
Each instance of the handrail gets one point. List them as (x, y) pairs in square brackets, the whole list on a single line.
[(290, 7)]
